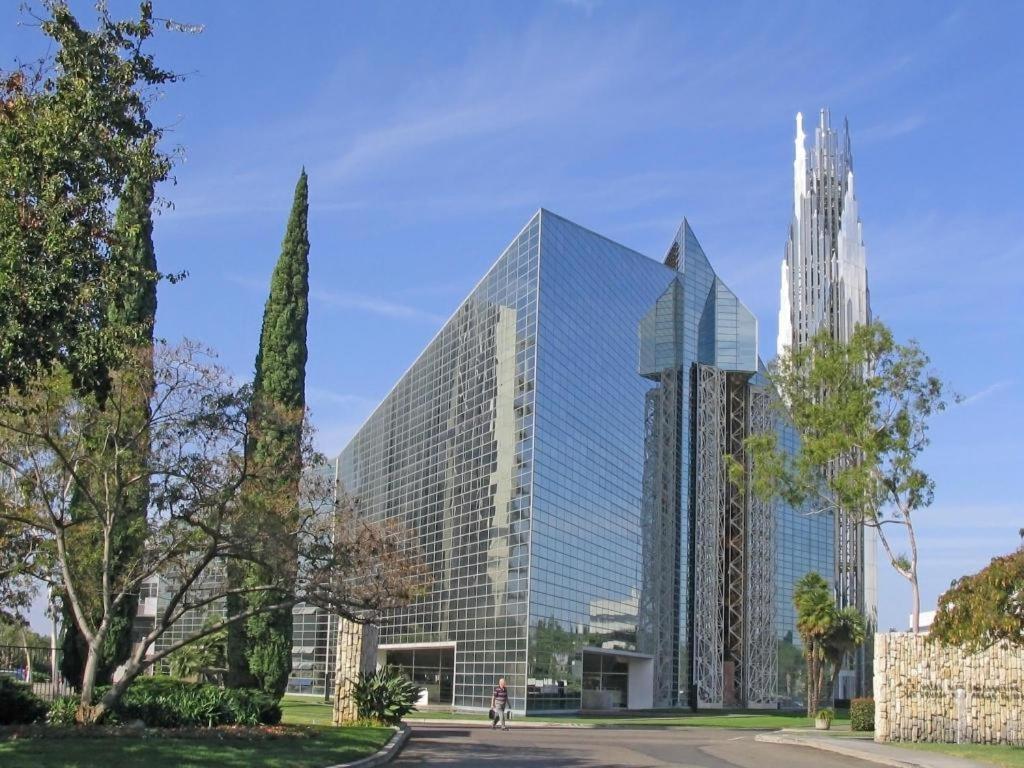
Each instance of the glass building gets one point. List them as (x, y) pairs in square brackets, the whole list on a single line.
[(559, 452)]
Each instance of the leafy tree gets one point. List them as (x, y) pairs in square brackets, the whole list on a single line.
[(984, 608), (195, 436), (73, 129), (16, 644), (828, 635), (19, 552), (862, 411), (260, 651), (134, 306), (13, 633)]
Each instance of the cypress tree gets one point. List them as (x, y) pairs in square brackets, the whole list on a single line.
[(259, 650), (132, 310)]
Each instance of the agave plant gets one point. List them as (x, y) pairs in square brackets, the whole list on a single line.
[(385, 695)]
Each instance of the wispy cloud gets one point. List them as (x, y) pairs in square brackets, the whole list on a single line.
[(372, 304), (346, 300), (320, 394), (890, 130), (413, 133), (587, 6), (332, 436), (988, 391), (917, 268)]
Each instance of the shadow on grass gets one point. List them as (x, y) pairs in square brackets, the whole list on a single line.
[(314, 749)]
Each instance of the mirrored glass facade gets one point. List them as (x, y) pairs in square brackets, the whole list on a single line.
[(559, 453)]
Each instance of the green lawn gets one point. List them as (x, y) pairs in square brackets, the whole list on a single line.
[(995, 754), (305, 749), (305, 710), (302, 710)]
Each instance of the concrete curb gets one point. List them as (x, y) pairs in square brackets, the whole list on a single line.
[(872, 754), (385, 754)]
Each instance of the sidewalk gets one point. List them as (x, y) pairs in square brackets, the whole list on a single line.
[(865, 748)]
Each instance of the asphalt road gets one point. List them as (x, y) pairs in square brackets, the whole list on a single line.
[(457, 746)]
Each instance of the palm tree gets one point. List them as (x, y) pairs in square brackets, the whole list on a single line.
[(815, 618), (847, 634), (828, 635), (201, 661)]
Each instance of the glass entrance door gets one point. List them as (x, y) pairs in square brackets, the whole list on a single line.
[(430, 668), (605, 681)]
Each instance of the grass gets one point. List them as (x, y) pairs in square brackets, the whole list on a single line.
[(312, 711), (305, 710), (296, 748), (993, 754)]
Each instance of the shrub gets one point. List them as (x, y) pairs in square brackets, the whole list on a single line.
[(252, 707), (166, 702), (862, 715), (18, 704), (62, 711), (385, 696)]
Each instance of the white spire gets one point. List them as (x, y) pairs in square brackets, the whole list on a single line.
[(785, 336), (799, 165)]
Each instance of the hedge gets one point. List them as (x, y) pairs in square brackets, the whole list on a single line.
[(862, 715), (18, 704)]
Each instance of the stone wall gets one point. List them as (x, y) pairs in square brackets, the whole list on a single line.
[(926, 691), (357, 652)]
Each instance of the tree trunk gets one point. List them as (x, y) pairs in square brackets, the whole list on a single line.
[(86, 714), (54, 666), (821, 688), (809, 673), (28, 657), (813, 679), (915, 593)]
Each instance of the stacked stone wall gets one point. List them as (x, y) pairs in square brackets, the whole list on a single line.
[(928, 691), (357, 653)]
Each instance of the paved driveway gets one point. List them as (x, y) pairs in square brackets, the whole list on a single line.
[(457, 746)]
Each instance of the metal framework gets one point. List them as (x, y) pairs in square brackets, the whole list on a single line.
[(709, 567), (735, 537), (761, 669)]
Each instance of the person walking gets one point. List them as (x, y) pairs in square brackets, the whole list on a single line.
[(499, 705)]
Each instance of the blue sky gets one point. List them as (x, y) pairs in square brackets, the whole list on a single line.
[(432, 131)]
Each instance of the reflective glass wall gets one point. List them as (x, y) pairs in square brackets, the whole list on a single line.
[(448, 456), (543, 453), (587, 559), (805, 544)]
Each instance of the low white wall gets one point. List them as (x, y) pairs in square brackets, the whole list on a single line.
[(641, 684)]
